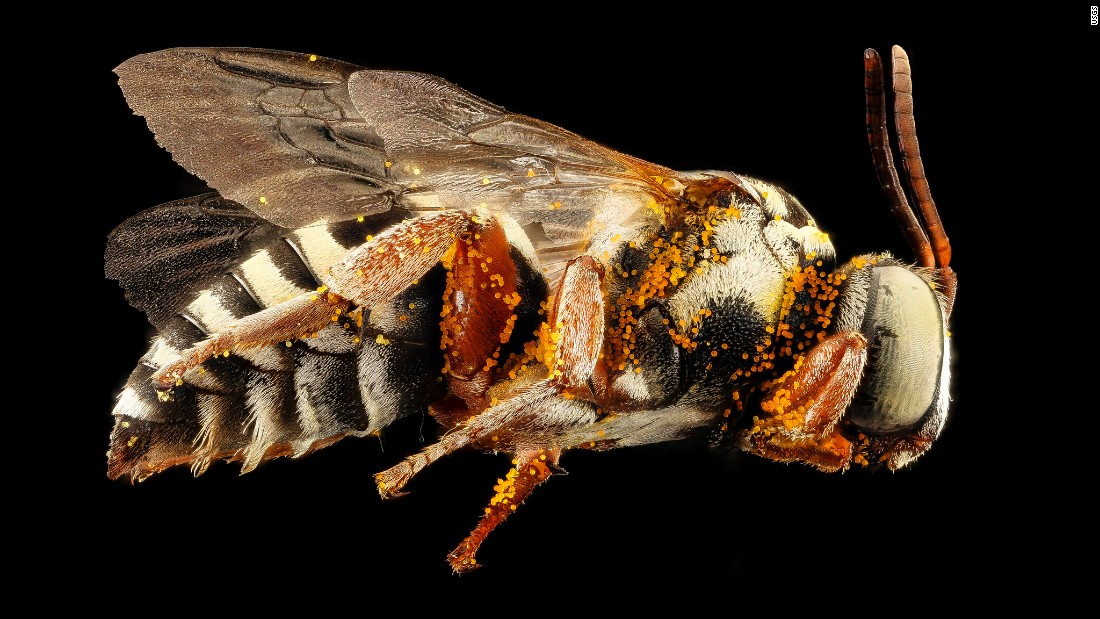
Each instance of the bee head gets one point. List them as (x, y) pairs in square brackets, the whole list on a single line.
[(902, 318)]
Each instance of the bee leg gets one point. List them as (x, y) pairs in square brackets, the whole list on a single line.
[(561, 401), (804, 406), (530, 468), (369, 275), (478, 317), (577, 326), (299, 317)]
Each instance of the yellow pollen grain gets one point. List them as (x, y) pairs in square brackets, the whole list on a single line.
[(130, 443), (381, 340), (485, 180), (263, 199)]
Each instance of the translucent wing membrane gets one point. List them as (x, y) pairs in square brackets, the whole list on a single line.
[(273, 131), (165, 255), (301, 140)]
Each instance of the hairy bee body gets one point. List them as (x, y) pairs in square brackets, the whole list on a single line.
[(385, 244), (357, 377)]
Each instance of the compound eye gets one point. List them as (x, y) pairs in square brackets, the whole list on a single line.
[(903, 325)]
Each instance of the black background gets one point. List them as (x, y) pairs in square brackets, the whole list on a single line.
[(772, 93)]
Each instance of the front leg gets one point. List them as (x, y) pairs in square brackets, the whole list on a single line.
[(802, 409)]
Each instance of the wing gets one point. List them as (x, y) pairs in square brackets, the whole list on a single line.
[(164, 256), (273, 131), (302, 140)]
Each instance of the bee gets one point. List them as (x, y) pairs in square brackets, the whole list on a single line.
[(381, 244)]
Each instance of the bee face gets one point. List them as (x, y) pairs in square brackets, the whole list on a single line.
[(907, 370)]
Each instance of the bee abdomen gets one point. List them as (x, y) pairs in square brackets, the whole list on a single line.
[(287, 399)]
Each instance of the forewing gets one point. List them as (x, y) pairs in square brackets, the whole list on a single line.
[(448, 148), (274, 131)]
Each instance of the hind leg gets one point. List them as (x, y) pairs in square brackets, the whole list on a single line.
[(369, 275)]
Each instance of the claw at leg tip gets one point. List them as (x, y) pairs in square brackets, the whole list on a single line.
[(462, 564)]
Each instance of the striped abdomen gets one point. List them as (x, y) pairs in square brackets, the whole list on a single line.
[(195, 266)]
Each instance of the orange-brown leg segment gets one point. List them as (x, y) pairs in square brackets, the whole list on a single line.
[(299, 317), (530, 468), (803, 407), (545, 408), (577, 324), (371, 274), (478, 312)]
